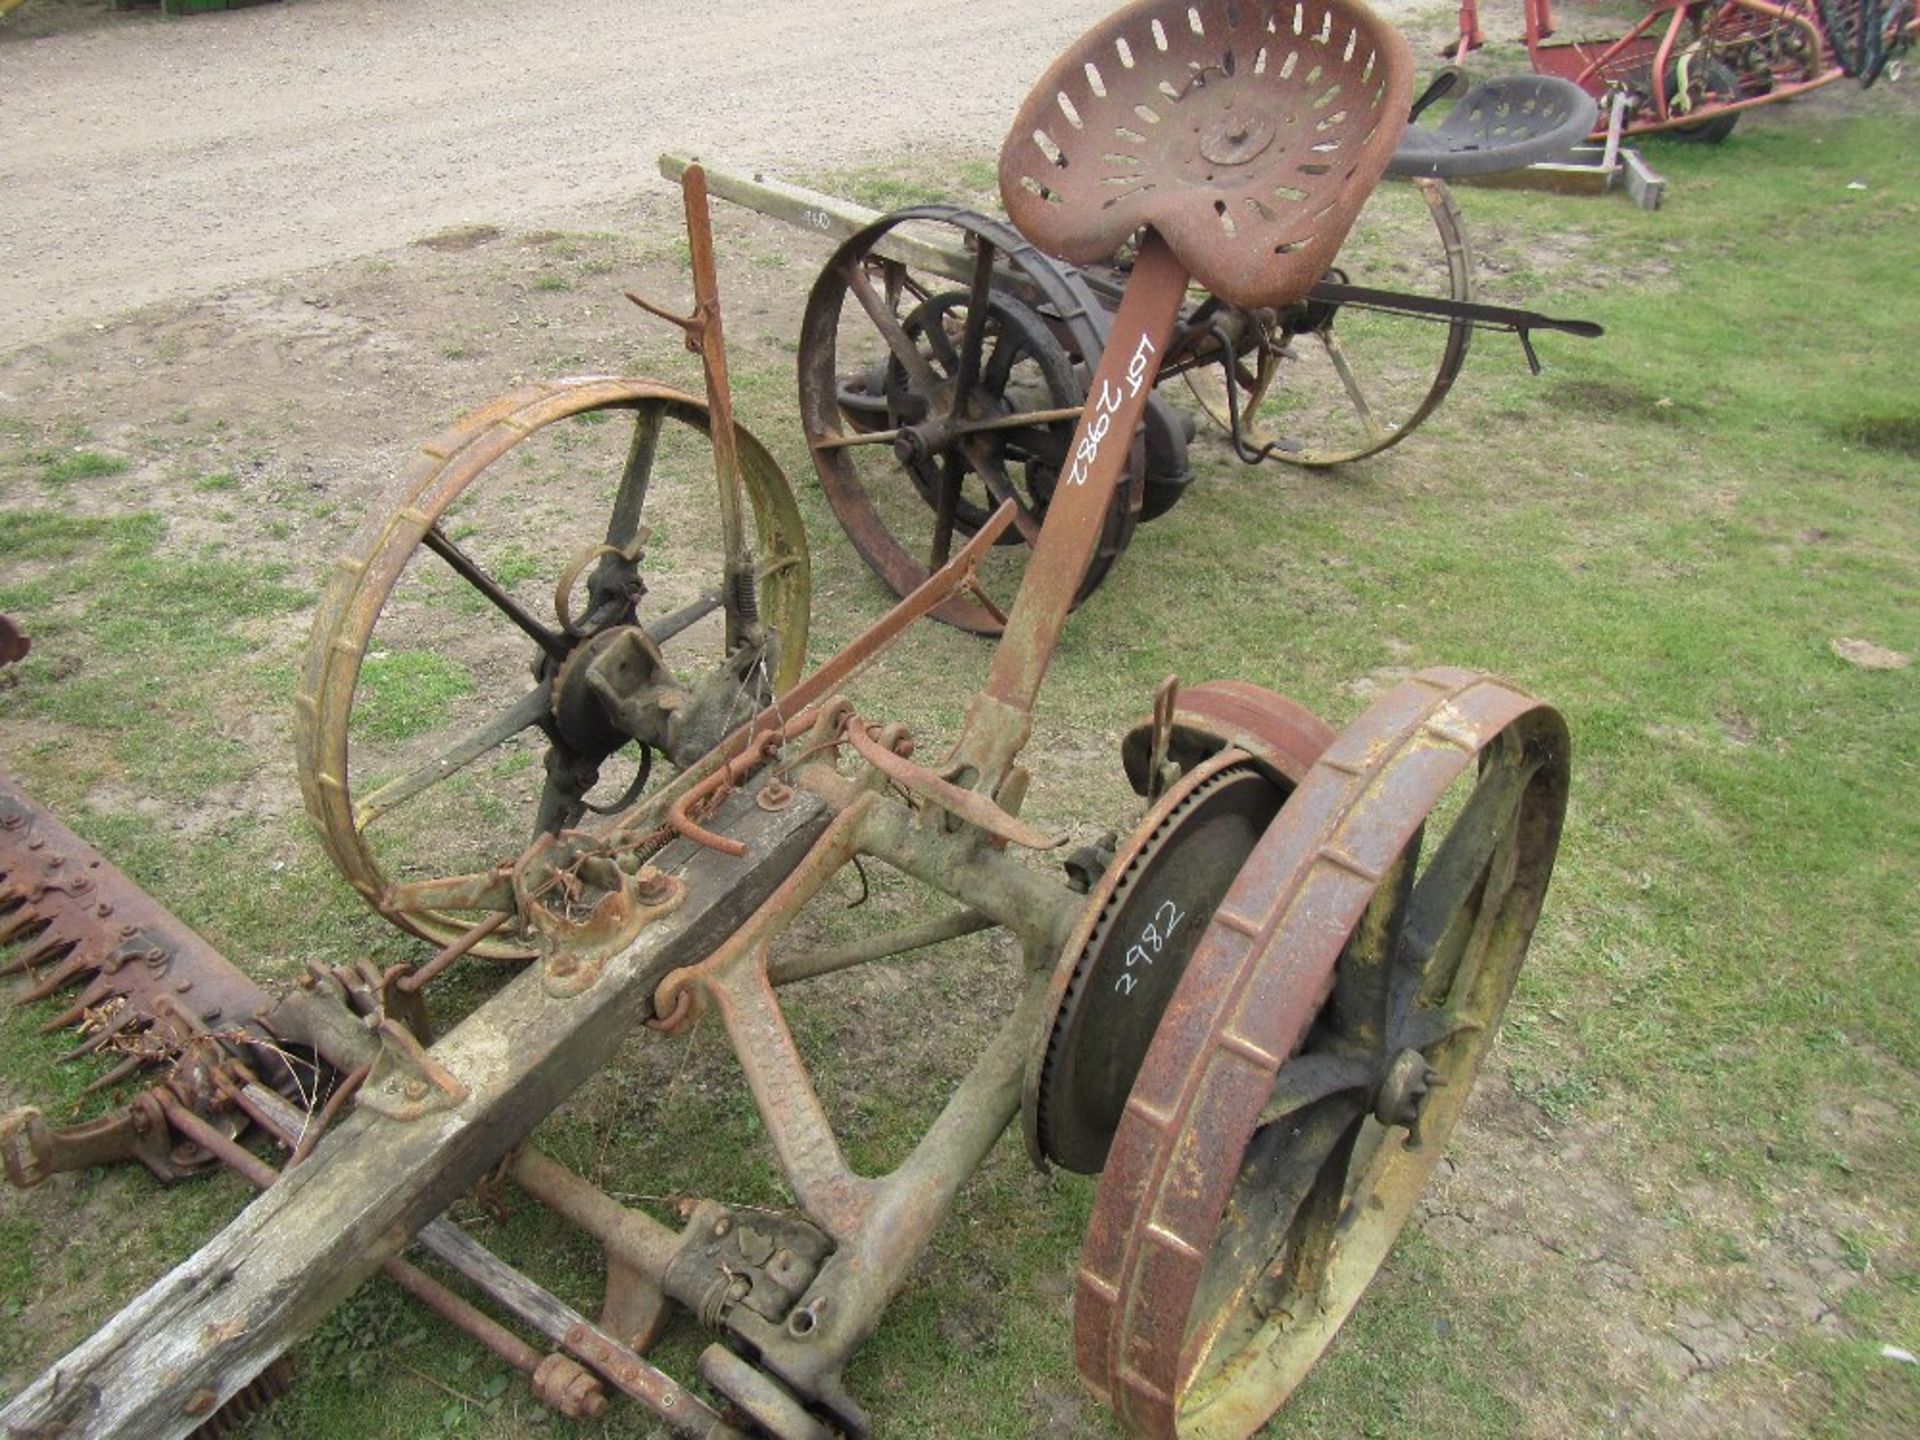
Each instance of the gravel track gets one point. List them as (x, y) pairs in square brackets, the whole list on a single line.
[(148, 160)]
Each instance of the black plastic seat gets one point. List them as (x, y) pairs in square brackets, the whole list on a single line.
[(1503, 124)]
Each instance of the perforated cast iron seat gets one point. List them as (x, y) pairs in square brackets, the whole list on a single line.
[(1247, 133), (1504, 124)]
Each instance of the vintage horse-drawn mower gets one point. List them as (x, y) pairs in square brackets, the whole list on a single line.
[(1256, 1017)]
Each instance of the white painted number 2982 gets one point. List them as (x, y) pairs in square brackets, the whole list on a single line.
[(1153, 938)]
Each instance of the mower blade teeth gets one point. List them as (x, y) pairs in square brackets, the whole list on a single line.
[(15, 966), (14, 924), (112, 959), (95, 995), (44, 944), (73, 964), (108, 1031), (114, 1076)]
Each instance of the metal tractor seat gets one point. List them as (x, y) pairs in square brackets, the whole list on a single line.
[(1246, 133), (1503, 124)]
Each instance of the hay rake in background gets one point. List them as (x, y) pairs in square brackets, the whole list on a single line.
[(1689, 67), (1257, 1017)]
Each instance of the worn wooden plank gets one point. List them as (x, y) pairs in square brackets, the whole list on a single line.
[(207, 1328), (1584, 173), (825, 215)]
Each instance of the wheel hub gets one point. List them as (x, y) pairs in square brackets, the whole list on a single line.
[(916, 445), (578, 714), (1404, 1089)]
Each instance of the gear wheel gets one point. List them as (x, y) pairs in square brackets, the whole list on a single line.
[(1130, 950)]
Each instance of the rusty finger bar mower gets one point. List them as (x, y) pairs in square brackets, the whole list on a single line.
[(1256, 1016)]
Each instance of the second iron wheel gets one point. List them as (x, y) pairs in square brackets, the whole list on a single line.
[(942, 364)]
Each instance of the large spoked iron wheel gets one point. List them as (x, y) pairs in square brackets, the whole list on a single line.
[(451, 707), (1328, 384), (1317, 1054), (942, 374)]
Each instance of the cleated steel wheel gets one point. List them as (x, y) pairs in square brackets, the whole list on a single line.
[(537, 620), (1325, 384), (1317, 1054), (926, 409)]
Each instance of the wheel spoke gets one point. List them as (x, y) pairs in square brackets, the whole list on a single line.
[(623, 525), (994, 476), (1363, 982), (464, 566), (674, 621), (1422, 1029), (919, 371), (1337, 353), (527, 711), (1256, 1247), (940, 344), (1294, 1281), (1450, 897), (973, 337), (953, 470), (1308, 1079)]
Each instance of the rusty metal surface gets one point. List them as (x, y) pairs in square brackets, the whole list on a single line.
[(557, 1380), (1119, 971), (761, 1398), (623, 940), (1280, 735), (705, 337), (141, 987), (584, 899), (14, 643), (683, 1412), (1337, 860), (80, 924), (1247, 133), (968, 805), (267, 1387), (1001, 718)]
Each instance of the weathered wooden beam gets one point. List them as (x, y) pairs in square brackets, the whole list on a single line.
[(827, 216), (208, 1327), (1584, 172)]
